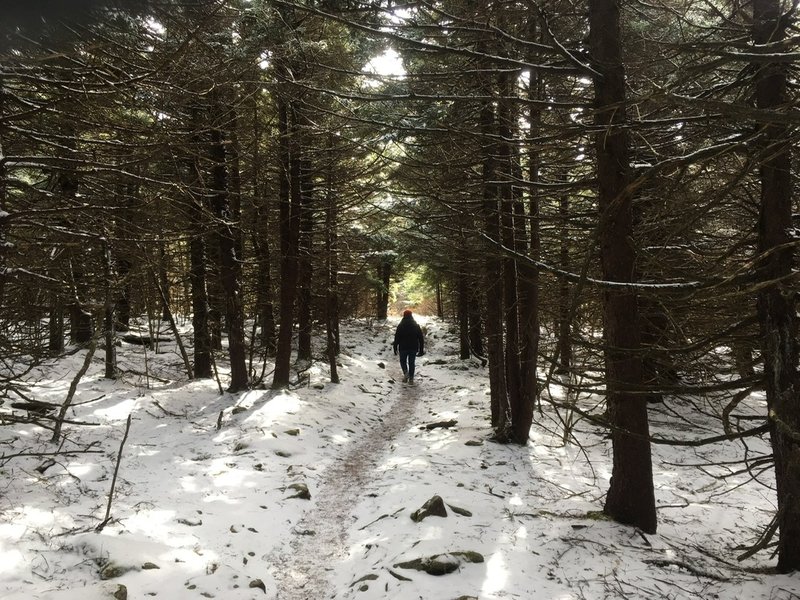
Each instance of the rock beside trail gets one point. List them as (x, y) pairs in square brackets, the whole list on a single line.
[(301, 491), (120, 592), (112, 570), (435, 507), (257, 584), (432, 508), (441, 564)]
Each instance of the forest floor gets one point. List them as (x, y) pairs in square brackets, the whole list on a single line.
[(309, 493)]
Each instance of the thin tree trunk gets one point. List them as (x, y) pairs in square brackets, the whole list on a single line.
[(517, 431), (493, 272), (168, 316), (563, 321), (475, 318), (384, 282), (528, 272), (305, 264), (631, 498), (227, 214), (55, 346), (123, 308), (290, 232), (80, 320), (163, 281), (261, 245), (197, 266), (108, 310), (463, 314), (777, 302), (332, 260), (123, 264), (73, 387), (266, 309)]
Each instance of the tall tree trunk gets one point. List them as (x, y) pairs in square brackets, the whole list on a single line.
[(55, 346), (123, 308), (261, 244), (564, 316), (462, 290), (332, 260), (517, 431), (631, 499), (125, 195), (290, 200), (216, 295), (197, 262), (163, 281), (475, 317), (305, 264), (108, 312), (493, 270), (777, 301), (266, 309), (528, 272), (80, 320), (384, 283), (229, 265)]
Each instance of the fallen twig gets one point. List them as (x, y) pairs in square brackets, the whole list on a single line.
[(73, 386), (440, 425), (664, 562), (105, 521), (170, 413)]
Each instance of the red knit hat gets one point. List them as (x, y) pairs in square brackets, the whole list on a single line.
[(407, 312)]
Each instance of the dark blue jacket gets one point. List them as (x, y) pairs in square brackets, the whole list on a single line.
[(408, 336)]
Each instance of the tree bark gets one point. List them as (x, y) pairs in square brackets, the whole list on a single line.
[(290, 200), (631, 498), (332, 260), (197, 263), (463, 314), (55, 346), (493, 270), (108, 313), (229, 262), (564, 318), (305, 263), (777, 301), (261, 245), (163, 282), (520, 415), (475, 318), (384, 283), (528, 272)]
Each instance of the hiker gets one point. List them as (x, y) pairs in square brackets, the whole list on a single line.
[(409, 341)]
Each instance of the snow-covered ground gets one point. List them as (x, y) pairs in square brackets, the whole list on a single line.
[(209, 502)]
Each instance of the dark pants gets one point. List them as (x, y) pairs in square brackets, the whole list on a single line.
[(407, 359)]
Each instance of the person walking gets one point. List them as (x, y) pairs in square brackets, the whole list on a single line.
[(410, 343)]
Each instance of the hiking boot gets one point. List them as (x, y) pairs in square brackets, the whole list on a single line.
[(410, 381), (405, 378)]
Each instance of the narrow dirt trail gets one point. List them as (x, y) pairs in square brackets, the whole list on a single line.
[(301, 574)]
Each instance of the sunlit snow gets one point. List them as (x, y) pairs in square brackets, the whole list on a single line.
[(209, 494)]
